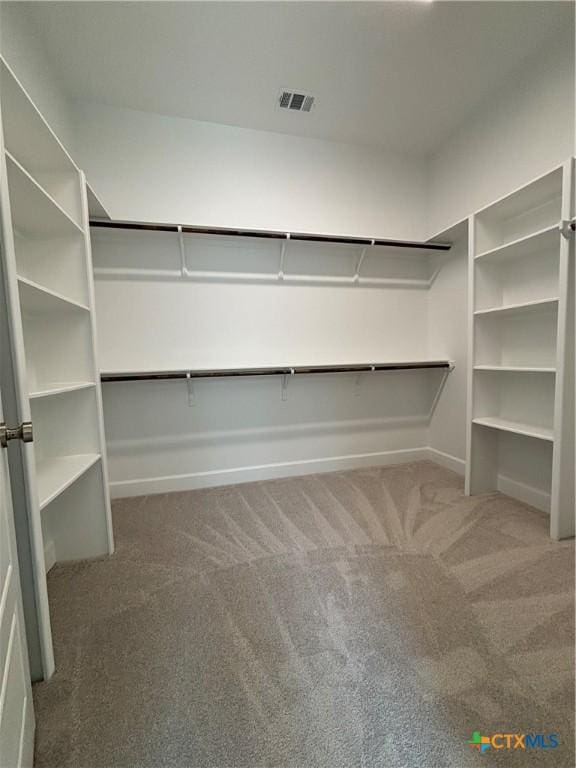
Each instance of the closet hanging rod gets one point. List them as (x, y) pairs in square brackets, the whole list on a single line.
[(297, 236), (276, 371)]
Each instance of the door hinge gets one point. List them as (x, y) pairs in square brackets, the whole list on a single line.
[(24, 432)]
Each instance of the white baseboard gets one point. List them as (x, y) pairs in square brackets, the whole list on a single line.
[(520, 491), (447, 460), (526, 493), (212, 478)]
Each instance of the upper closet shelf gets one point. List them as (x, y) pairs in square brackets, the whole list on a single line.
[(521, 215), (34, 212), (27, 136), (274, 235), (530, 197), (542, 240), (147, 251)]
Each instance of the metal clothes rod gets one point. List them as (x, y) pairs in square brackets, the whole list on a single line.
[(281, 371), (296, 236)]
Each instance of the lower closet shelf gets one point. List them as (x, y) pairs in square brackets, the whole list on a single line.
[(515, 368), (541, 433), (58, 473)]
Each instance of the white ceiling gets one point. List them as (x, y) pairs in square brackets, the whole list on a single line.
[(399, 75)]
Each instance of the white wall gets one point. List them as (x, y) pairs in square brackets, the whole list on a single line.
[(148, 323), (22, 48), (149, 167), (519, 133), (243, 429), (206, 325)]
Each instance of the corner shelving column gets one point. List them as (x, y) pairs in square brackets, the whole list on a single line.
[(520, 317), (51, 303)]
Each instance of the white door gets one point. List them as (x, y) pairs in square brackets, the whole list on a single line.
[(16, 709)]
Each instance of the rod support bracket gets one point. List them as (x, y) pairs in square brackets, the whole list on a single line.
[(360, 261), (283, 246), (182, 246), (191, 391), (567, 228), (285, 383)]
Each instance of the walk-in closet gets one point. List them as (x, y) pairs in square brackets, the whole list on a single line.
[(287, 378)]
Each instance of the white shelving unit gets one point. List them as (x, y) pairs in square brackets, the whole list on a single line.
[(521, 331), (51, 297)]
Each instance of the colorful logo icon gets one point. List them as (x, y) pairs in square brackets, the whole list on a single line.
[(479, 742)]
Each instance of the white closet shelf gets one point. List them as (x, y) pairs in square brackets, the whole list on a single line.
[(528, 197), (36, 299), (514, 368), (281, 248), (57, 474), (540, 240), (26, 133), (48, 390), (518, 428), (268, 234), (34, 211), (525, 306)]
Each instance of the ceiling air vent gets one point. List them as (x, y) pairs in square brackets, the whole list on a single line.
[(298, 102)]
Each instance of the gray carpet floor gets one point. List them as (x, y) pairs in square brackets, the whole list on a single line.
[(367, 618)]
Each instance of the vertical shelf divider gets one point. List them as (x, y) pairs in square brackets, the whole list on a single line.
[(94, 356), (562, 512)]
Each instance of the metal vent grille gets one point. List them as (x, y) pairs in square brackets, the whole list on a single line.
[(298, 102)]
